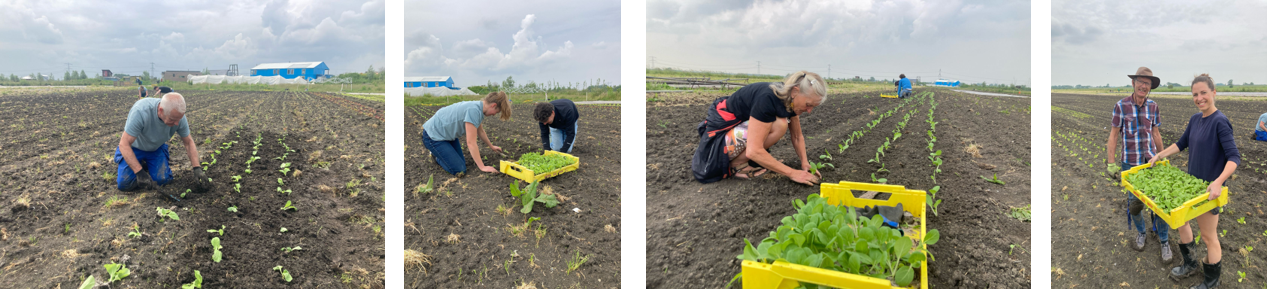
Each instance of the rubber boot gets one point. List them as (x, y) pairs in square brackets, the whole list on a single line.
[(1212, 272), (1188, 267)]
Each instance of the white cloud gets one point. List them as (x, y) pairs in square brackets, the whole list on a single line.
[(478, 54)]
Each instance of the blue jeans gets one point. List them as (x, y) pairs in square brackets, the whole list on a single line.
[(154, 162), (557, 138), (1260, 135), (447, 153), (1163, 231)]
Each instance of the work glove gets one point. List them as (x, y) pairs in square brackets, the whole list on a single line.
[(144, 182), (200, 174), (892, 215)]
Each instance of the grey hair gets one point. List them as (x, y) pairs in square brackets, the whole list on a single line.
[(807, 81), (173, 102)]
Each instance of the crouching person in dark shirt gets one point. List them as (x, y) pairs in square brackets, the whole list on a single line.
[(557, 121)]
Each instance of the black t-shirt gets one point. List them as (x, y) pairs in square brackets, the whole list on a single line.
[(758, 101), (164, 89)]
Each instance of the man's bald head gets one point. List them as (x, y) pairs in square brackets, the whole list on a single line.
[(171, 108)]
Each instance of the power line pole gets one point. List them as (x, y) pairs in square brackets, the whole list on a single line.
[(829, 71), (67, 70), (151, 70), (653, 62)]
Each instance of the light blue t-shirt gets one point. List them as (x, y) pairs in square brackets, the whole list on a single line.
[(1261, 118), (150, 131), (449, 122)]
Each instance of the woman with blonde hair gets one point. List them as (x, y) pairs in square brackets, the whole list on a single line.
[(440, 133), (1213, 157), (741, 128)]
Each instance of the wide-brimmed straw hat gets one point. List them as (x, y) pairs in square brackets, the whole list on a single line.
[(1145, 72)]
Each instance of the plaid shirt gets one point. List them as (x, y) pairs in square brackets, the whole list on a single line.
[(1136, 123)]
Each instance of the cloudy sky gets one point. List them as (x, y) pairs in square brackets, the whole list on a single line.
[(478, 41), (971, 41), (126, 36), (1100, 42)]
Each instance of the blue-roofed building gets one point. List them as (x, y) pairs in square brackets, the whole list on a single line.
[(429, 81), (291, 70), (946, 82)]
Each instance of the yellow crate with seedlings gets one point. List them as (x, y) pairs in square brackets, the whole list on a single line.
[(888, 95), (1180, 215), (520, 172), (784, 275)]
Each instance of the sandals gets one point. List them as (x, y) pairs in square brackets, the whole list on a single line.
[(747, 171)]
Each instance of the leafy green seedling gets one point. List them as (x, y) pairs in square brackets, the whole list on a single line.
[(826, 155), (815, 167), (577, 261), (117, 271), (237, 187), (528, 196), (286, 191), (289, 249), (248, 171), (285, 273), (182, 195), (215, 247), (1021, 213), (220, 231), (1242, 276), (285, 168), (167, 213), (135, 233), (284, 230), (280, 183), (1241, 220), (88, 283), (996, 179), (236, 178), (233, 209), (878, 180), (289, 206), (429, 186), (197, 282), (931, 199)]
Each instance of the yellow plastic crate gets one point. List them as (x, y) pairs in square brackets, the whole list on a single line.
[(888, 95), (783, 275), (522, 173), (1182, 214)]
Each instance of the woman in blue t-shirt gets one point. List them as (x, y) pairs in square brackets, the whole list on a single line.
[(1213, 158), (441, 132)]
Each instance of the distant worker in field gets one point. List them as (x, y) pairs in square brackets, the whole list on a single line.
[(740, 129), (1212, 157), (1135, 124), (161, 90), (441, 132), (903, 86), (143, 148), (557, 121), (1260, 131)]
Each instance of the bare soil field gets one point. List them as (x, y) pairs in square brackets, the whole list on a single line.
[(469, 232), (1090, 236), (64, 219), (694, 230)]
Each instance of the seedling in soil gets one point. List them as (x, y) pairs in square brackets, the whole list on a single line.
[(182, 195), (1022, 213), (220, 231), (842, 148), (577, 261), (932, 200), (167, 213), (1241, 220), (996, 179), (236, 178), (215, 247), (826, 155), (285, 273), (117, 272), (289, 206), (197, 284), (237, 187), (233, 209), (428, 187), (284, 230), (279, 190), (280, 183), (88, 283), (1242, 276), (529, 196), (503, 210), (879, 180), (135, 233), (285, 168), (289, 249), (815, 167)]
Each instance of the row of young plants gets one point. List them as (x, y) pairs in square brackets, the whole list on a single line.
[(888, 142), (934, 155), (839, 238), (856, 136)]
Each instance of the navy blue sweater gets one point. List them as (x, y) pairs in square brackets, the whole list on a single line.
[(1212, 145), (565, 116)]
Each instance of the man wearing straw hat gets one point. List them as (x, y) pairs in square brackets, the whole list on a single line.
[(1135, 121)]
